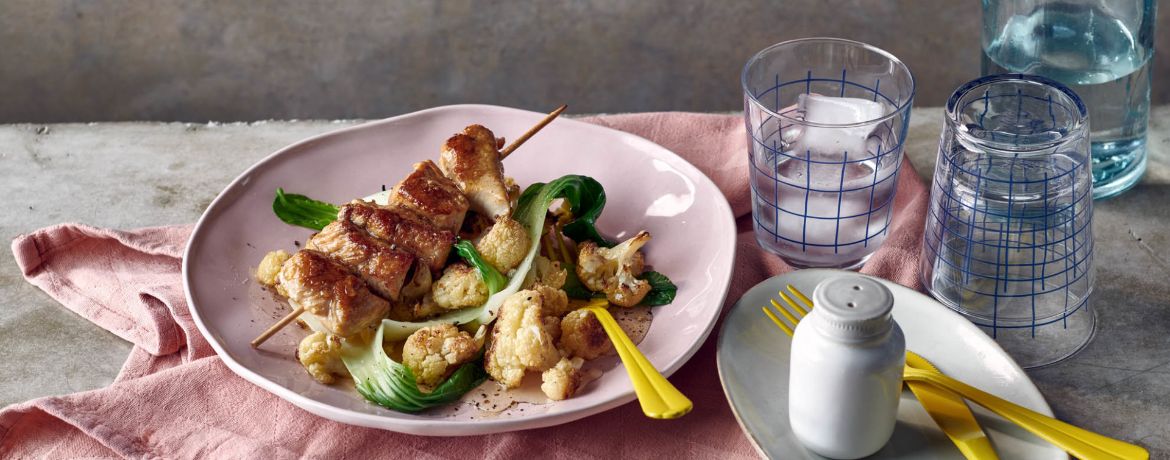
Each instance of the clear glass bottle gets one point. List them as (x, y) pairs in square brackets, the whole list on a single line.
[(1102, 50), (846, 369)]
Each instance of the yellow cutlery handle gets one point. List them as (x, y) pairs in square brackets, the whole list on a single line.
[(955, 419), (1082, 443), (657, 396), (951, 413)]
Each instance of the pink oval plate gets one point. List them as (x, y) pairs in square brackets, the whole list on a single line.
[(648, 187)]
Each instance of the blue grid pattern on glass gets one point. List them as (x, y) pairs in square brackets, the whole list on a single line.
[(1002, 229), (826, 204)]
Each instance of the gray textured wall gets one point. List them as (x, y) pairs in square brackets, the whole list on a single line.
[(198, 60)]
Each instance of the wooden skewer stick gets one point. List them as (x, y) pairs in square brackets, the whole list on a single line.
[(524, 137), (278, 326)]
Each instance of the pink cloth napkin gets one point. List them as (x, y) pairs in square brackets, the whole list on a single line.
[(174, 398)]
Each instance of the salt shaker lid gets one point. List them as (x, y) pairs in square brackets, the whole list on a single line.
[(853, 307)]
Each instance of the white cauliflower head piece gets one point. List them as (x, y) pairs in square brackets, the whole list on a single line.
[(583, 336), (432, 353), (555, 301), (562, 381), (615, 270), (546, 272), (269, 269), (459, 287), (415, 310), (505, 245), (320, 354), (520, 340)]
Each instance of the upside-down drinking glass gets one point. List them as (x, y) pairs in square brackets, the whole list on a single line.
[(1009, 241), (823, 179)]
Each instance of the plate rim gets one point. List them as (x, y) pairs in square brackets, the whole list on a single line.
[(752, 437), (440, 427)]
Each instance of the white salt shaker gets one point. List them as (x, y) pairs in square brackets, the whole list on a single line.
[(846, 369)]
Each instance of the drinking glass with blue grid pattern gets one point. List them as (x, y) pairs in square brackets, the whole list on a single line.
[(823, 185), (1008, 240)]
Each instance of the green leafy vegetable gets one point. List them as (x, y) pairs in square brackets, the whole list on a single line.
[(303, 211), (490, 276), (662, 290), (391, 384), (586, 199)]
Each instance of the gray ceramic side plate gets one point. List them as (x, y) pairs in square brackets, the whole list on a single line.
[(753, 366)]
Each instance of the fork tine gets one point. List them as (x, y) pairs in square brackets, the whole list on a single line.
[(794, 312), (784, 311), (780, 324), (803, 298), (788, 300)]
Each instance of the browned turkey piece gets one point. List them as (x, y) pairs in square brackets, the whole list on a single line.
[(428, 193), (328, 290), (384, 268), (472, 160), (402, 229)]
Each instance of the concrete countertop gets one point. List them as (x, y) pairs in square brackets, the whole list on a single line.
[(127, 175)]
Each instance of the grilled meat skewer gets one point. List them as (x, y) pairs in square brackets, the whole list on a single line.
[(329, 287)]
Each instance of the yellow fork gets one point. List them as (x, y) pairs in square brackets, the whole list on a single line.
[(657, 396), (920, 372)]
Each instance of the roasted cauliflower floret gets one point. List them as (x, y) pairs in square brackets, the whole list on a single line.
[(519, 340), (615, 270), (548, 273), (269, 268), (583, 336), (415, 310), (552, 325), (563, 380), (505, 245), (426, 308), (432, 353), (459, 287), (556, 302), (320, 353)]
